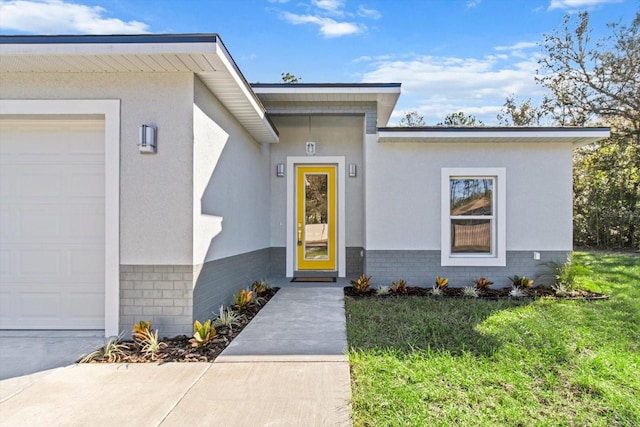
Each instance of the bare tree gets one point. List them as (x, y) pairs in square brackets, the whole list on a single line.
[(411, 119)]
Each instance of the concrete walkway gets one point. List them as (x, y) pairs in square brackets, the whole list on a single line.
[(287, 368)]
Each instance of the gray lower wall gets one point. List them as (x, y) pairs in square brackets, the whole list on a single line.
[(278, 261), (420, 268), (355, 262), (162, 294), (217, 281), (173, 296)]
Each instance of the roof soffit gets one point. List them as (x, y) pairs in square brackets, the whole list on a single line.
[(206, 57)]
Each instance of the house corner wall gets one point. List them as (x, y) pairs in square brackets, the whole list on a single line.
[(231, 205)]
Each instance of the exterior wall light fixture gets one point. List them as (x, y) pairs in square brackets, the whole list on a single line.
[(280, 170), (352, 170), (147, 139)]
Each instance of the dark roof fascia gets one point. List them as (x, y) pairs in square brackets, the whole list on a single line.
[(410, 129), (112, 38), (325, 85)]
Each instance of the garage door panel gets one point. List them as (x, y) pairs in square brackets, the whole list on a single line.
[(52, 225), (86, 262), (84, 185), (38, 263), (37, 224)]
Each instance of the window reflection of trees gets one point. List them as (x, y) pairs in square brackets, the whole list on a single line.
[(471, 197), (316, 211)]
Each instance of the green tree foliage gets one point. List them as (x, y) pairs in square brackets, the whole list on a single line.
[(411, 119), (606, 188), (290, 78), (460, 119), (599, 83)]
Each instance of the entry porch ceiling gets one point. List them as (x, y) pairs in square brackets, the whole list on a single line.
[(203, 54), (384, 94), (577, 136)]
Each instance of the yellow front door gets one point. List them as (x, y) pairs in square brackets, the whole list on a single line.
[(316, 217)]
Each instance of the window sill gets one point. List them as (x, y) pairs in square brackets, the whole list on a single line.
[(447, 261)]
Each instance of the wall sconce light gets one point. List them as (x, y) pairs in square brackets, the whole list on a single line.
[(310, 148), (147, 139), (352, 170), (280, 170)]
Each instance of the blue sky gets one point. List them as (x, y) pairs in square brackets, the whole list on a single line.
[(449, 55)]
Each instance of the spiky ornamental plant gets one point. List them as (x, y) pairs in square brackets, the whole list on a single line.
[(150, 342), (442, 282), (436, 291), (482, 283), (521, 282), (516, 292), (260, 287), (202, 333), (382, 290), (228, 318), (140, 329), (362, 284), (470, 292), (399, 287), (242, 299), (112, 351)]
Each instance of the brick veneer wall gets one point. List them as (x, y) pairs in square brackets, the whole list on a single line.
[(160, 293)]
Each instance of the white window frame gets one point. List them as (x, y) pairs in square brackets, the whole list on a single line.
[(497, 257)]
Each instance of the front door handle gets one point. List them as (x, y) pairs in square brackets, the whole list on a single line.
[(299, 234)]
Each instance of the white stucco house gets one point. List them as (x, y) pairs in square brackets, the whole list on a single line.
[(101, 227)]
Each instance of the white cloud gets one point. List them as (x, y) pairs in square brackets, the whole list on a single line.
[(518, 46), (329, 5), (473, 3), (578, 4), (438, 85), (278, 1), (328, 27), (60, 17), (369, 13)]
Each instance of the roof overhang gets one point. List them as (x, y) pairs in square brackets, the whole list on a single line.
[(577, 136), (384, 94), (203, 54)]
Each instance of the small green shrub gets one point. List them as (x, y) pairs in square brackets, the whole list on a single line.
[(564, 275), (202, 333), (362, 284), (482, 283), (399, 287), (442, 282)]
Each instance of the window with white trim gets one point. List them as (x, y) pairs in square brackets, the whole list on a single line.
[(473, 217)]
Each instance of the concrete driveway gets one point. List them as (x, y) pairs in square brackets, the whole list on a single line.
[(29, 352)]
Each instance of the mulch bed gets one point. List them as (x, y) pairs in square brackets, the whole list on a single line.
[(179, 349), (535, 292)]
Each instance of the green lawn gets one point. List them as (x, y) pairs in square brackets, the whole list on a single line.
[(428, 362)]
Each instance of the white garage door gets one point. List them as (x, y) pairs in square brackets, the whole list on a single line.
[(52, 224)]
